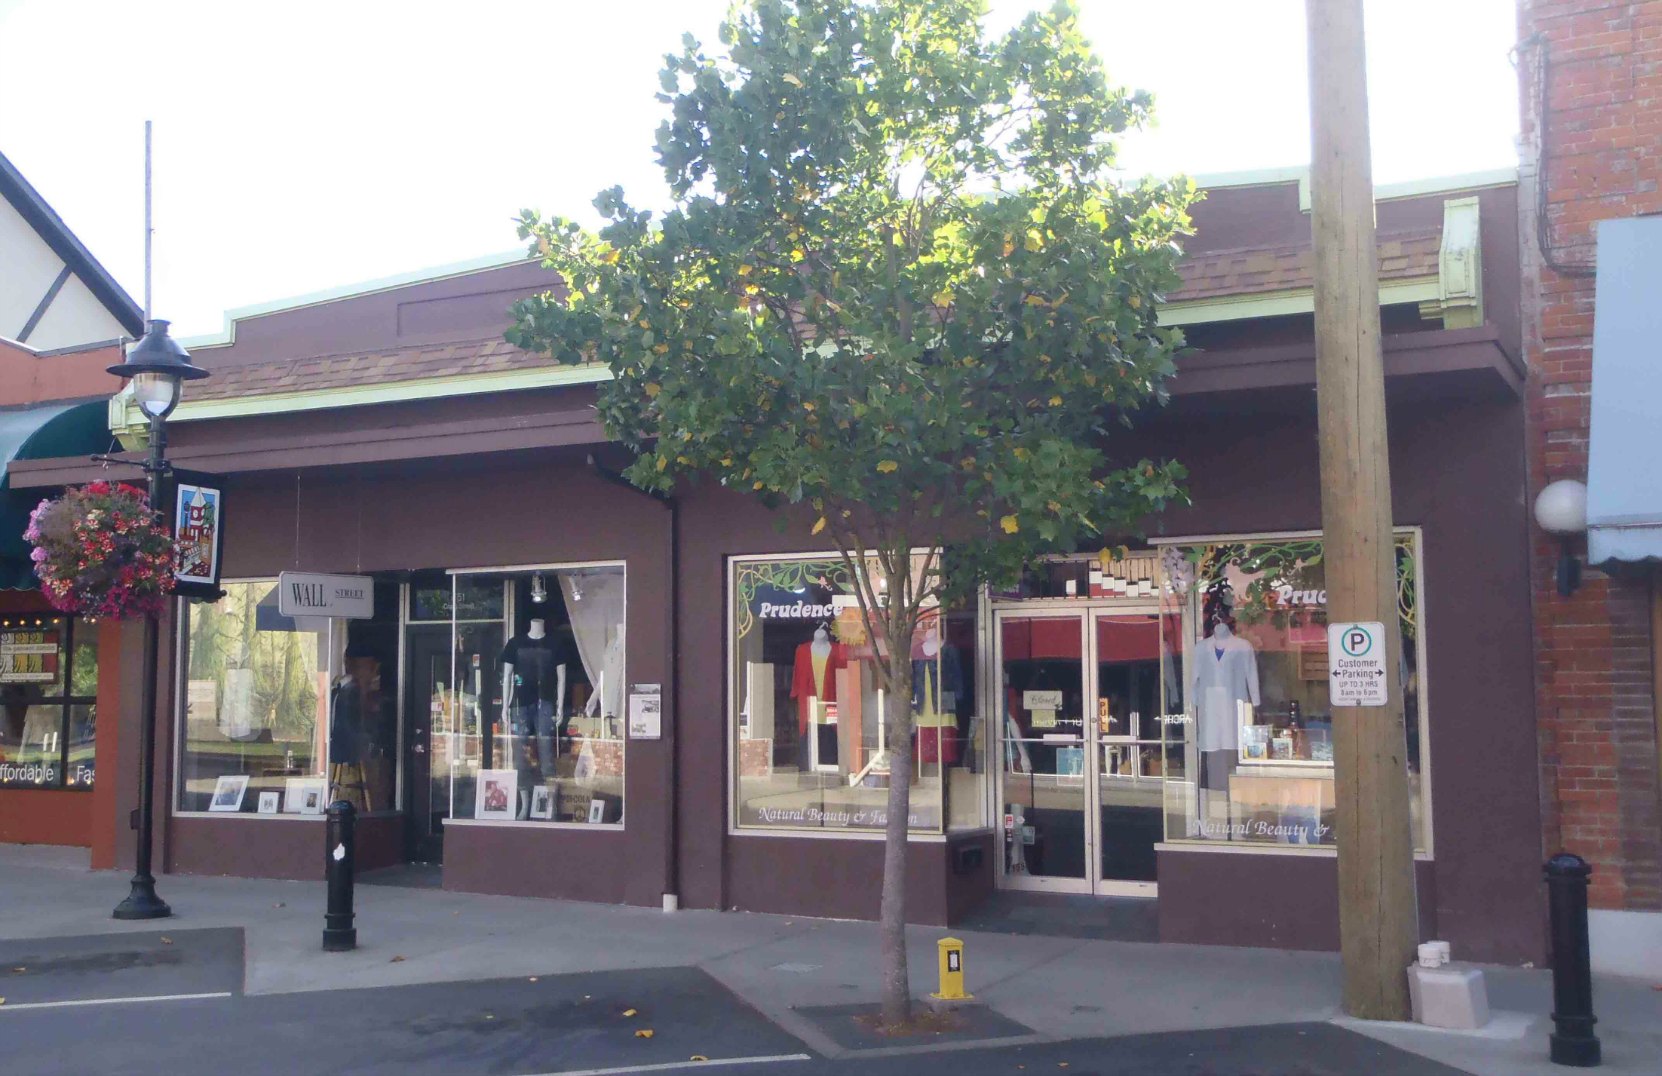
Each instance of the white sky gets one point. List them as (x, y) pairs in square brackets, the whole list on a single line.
[(303, 145)]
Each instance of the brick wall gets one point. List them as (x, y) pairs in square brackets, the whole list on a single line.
[(1603, 159)]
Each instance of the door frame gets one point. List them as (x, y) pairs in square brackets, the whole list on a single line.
[(1086, 612)]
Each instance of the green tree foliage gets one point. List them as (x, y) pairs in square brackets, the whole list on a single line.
[(900, 283)]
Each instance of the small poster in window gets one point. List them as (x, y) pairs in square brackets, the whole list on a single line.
[(28, 657), (228, 793), (496, 794)]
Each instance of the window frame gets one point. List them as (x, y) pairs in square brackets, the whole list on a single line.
[(64, 701), (509, 615), (1416, 533), (181, 675), (939, 835)]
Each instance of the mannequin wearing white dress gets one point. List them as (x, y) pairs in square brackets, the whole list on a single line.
[(1225, 681)]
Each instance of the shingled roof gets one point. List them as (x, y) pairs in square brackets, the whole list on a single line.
[(1218, 273), (1208, 275)]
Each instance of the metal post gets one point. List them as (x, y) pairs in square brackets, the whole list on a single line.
[(142, 901), (339, 935), (1573, 1041)]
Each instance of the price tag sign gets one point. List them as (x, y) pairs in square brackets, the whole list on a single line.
[(1356, 664)]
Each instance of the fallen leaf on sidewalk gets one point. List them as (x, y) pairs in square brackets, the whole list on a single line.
[(280, 904), (532, 979), (20, 971), (629, 1012), (167, 941), (396, 960), (489, 1016), (2, 1001), (698, 1057), (644, 1033)]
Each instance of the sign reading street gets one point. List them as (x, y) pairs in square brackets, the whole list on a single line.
[(1356, 664)]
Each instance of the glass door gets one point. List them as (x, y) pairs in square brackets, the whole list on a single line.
[(1043, 788), (1082, 759), (1129, 753)]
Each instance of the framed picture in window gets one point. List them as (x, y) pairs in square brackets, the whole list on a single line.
[(495, 795), (542, 802), (597, 810), (303, 795), (271, 802), (228, 793)]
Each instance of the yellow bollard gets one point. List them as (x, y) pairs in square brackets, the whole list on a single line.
[(952, 971)]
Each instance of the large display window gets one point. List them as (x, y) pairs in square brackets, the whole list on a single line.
[(1244, 679), (809, 735), (256, 696), (48, 701), (521, 676)]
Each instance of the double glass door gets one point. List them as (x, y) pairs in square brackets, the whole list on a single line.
[(1083, 749)]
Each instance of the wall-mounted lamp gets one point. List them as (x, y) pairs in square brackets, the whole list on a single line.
[(1561, 511)]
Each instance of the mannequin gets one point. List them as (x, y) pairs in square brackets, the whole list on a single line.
[(1225, 678), (355, 719), (533, 703), (814, 679), (937, 685)]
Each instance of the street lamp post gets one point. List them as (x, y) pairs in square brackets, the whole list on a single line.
[(157, 368)]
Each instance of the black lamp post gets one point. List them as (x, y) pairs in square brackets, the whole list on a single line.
[(157, 368)]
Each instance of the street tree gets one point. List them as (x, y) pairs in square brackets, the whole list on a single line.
[(901, 287)]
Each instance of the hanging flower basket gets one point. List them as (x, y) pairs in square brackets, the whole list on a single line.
[(100, 552)]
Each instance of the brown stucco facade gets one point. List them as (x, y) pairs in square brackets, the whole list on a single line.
[(482, 479)]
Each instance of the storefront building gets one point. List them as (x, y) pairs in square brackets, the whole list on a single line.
[(61, 315), (1589, 102), (568, 688)]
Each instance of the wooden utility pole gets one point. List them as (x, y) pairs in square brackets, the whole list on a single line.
[(1378, 919)]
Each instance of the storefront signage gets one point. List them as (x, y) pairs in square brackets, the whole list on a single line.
[(1356, 664), (351, 597), (796, 611), (646, 711), (198, 534)]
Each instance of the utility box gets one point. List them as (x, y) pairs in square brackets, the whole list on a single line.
[(952, 971), (1450, 996)]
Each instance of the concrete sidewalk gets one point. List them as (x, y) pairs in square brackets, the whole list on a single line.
[(1062, 988)]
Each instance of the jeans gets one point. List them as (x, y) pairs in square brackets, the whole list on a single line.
[(538, 719)]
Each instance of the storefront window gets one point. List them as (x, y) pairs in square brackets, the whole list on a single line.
[(810, 743), (256, 701), (1244, 670), (524, 691), (48, 702)]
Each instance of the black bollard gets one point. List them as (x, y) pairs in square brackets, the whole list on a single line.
[(339, 935), (1573, 1041)]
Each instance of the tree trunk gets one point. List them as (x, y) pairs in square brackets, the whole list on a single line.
[(897, 987)]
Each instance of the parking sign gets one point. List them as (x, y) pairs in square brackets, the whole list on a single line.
[(1356, 664)]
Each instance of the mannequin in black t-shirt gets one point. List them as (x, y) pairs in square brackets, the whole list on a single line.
[(534, 683)]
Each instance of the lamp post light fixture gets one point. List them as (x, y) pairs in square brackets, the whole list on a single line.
[(1561, 511), (156, 367)]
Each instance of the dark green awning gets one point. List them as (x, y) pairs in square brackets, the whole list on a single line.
[(39, 433)]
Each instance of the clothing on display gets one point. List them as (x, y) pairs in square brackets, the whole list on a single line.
[(813, 677), (538, 675), (1225, 675)]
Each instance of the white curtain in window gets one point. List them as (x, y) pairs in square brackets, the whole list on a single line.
[(594, 600)]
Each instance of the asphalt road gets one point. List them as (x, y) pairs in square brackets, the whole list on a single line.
[(66, 1013)]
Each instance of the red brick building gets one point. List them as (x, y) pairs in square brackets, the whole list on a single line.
[(1591, 94)]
